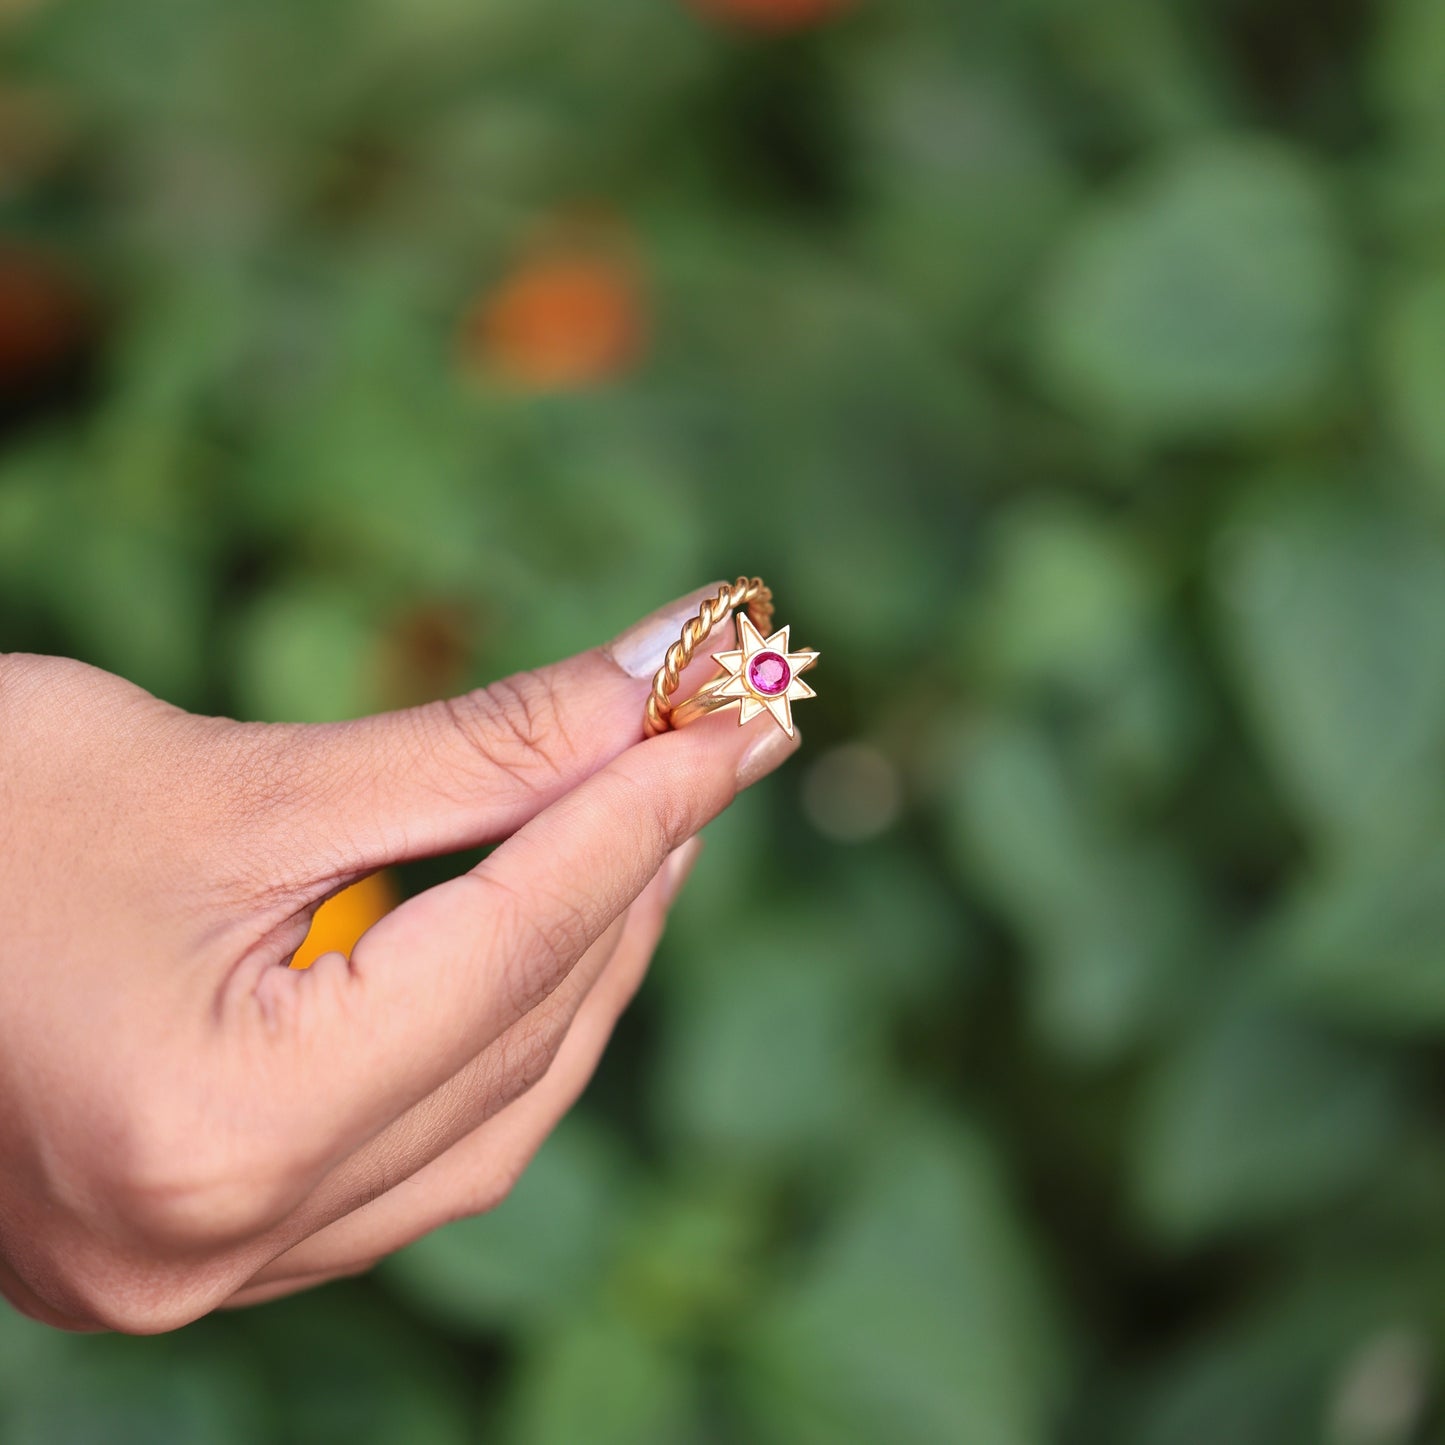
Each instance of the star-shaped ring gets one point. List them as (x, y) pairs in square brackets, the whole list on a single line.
[(760, 675)]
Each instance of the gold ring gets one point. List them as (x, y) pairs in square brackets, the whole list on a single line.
[(760, 675)]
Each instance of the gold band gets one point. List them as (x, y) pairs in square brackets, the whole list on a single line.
[(759, 675), (751, 592), (704, 701)]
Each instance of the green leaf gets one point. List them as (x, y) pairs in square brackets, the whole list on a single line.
[(37, 502), (1066, 598), (132, 598), (1338, 1352), (538, 1256), (1073, 615), (770, 1055), (1412, 351), (692, 1254), (1408, 63), (367, 461), (1364, 939), (305, 653), (912, 940), (29, 1353), (346, 1365), (1254, 1117), (1206, 297), (1333, 615), (919, 1317), (135, 603), (965, 183), (597, 1379), (99, 1390), (1112, 924)]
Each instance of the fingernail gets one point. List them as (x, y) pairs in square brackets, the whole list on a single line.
[(763, 756), (679, 864), (640, 651)]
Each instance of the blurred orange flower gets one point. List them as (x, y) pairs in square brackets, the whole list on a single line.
[(565, 318), (341, 920)]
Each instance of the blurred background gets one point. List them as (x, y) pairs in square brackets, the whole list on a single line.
[(1076, 375)]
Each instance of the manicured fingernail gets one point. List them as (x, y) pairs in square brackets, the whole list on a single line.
[(640, 650), (678, 866), (764, 755)]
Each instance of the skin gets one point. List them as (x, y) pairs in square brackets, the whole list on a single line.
[(186, 1123)]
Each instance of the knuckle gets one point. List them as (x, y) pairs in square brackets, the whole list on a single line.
[(675, 819), (557, 936), (528, 976), (672, 814), (197, 1206), (539, 940), (514, 726), (178, 1182), (525, 1054), (563, 929)]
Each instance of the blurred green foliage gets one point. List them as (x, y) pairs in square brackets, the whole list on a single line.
[(1077, 376)]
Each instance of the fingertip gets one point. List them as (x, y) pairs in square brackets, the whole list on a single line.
[(765, 754)]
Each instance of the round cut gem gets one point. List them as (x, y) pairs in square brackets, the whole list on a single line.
[(769, 673)]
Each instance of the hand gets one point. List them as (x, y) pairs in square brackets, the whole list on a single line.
[(184, 1121)]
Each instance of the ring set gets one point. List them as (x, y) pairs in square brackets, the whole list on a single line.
[(760, 675)]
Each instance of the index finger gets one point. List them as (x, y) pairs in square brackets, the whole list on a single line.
[(433, 983)]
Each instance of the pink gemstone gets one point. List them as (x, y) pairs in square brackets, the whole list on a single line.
[(769, 674)]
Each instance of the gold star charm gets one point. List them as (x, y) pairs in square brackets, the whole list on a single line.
[(759, 676), (763, 674)]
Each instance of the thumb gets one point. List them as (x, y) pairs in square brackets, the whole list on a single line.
[(330, 801)]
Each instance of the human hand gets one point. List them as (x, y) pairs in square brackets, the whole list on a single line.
[(187, 1123)]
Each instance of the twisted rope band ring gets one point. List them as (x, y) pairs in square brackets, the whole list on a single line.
[(760, 675)]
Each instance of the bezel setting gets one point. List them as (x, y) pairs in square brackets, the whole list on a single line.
[(739, 684)]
